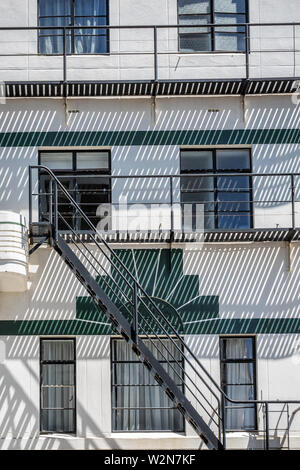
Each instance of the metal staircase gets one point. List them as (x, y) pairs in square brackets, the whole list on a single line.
[(134, 315)]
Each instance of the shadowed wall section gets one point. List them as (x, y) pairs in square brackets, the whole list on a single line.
[(160, 272)]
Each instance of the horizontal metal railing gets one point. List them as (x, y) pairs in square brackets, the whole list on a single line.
[(148, 321), (156, 203), (252, 33)]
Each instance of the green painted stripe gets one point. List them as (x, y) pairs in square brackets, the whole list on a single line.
[(12, 223), (122, 138), (216, 326)]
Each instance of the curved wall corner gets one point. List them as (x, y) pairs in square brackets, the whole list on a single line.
[(13, 252)]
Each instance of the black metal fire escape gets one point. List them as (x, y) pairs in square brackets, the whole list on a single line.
[(136, 317)]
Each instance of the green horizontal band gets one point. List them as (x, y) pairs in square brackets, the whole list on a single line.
[(132, 138), (13, 223), (211, 327)]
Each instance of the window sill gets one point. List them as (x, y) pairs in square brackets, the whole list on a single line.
[(100, 54), (148, 434), (58, 435), (210, 52)]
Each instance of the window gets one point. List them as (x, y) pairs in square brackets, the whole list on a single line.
[(218, 38), (226, 199), (138, 402), (82, 174), (81, 13), (58, 389), (238, 380)]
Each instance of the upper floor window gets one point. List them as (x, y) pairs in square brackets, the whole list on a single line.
[(85, 175), (81, 13), (238, 380), (225, 195), (205, 38)]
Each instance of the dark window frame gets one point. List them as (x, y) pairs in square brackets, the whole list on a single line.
[(212, 31), (137, 361), (215, 171), (71, 32), (76, 172), (252, 361), (74, 431)]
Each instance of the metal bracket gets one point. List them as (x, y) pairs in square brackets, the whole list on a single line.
[(37, 245)]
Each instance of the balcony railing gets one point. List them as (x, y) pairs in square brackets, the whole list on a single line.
[(220, 207), (149, 52)]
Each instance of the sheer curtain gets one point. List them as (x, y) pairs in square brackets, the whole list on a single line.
[(55, 13), (141, 403), (58, 387), (87, 12), (241, 377)]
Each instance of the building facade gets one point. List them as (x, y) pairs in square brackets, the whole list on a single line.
[(149, 224)]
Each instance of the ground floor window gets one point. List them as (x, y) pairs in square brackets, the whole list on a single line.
[(238, 379), (138, 402), (58, 388)]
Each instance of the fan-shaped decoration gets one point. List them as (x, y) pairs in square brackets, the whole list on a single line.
[(177, 295)]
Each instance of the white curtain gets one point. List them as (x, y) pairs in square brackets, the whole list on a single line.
[(145, 406), (240, 416), (58, 387), (86, 13), (85, 42), (55, 12)]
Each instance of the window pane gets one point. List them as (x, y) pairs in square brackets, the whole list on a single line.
[(194, 20), (230, 19), (237, 348), (90, 7), (50, 21), (197, 183), (230, 6), (233, 160), (196, 161), (90, 193), (195, 43), (233, 202), (58, 374), (233, 183), (193, 6), (58, 397), (54, 7), (90, 44), (241, 418), (236, 220), (92, 160), (238, 374), (147, 420), (60, 350), (58, 421), (229, 42), (57, 161), (205, 198)]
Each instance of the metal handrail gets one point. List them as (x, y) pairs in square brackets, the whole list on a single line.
[(138, 287), (291, 186), (155, 28)]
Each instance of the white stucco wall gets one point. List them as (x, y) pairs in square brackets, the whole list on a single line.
[(269, 114), (131, 51), (251, 282)]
